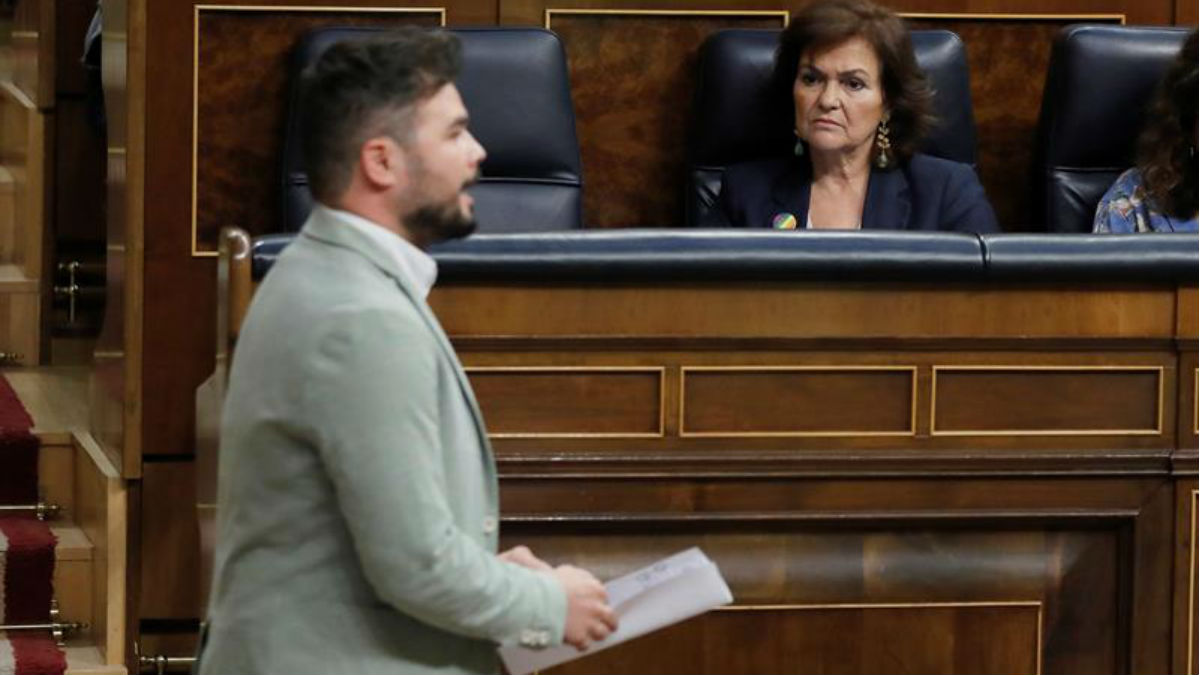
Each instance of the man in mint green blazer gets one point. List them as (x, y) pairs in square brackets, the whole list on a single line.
[(357, 493)]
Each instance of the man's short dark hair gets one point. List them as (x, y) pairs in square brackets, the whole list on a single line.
[(361, 89)]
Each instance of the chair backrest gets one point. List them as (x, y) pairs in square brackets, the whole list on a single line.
[(1098, 84), (738, 117), (514, 83)]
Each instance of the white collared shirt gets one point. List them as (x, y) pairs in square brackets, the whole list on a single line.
[(418, 267)]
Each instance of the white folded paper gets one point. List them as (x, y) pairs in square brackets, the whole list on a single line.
[(671, 590)]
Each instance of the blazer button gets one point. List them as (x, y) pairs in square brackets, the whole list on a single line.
[(489, 525)]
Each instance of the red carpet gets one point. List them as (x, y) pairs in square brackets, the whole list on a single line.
[(31, 654), (26, 550)]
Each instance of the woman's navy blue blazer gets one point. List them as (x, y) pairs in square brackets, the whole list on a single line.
[(925, 193)]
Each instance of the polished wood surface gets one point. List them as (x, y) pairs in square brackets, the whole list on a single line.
[(102, 515), (746, 402), (169, 588), (871, 638), (570, 402)]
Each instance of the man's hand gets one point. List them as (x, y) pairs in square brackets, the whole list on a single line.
[(589, 618), (521, 555)]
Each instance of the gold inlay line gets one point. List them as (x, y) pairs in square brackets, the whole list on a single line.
[(1156, 431), (282, 9), (1031, 604), (912, 418), (661, 371), (994, 16), (782, 14), (1192, 572)]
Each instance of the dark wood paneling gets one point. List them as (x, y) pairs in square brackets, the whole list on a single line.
[(169, 542), (523, 402), (835, 640), (1186, 13), (1052, 591), (241, 110), (1030, 400), (632, 80), (71, 21), (79, 165), (1185, 646), (748, 402)]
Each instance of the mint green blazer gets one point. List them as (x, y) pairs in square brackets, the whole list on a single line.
[(357, 492)]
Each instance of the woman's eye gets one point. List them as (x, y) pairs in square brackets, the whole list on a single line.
[(855, 84), (808, 79)]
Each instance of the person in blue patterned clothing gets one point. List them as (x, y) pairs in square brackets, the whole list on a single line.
[(1159, 194)]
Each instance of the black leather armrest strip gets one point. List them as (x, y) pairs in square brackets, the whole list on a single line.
[(730, 255), (265, 250), (1085, 257)]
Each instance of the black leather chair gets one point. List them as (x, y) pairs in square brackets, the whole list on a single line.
[(514, 84), (738, 117), (1098, 85)]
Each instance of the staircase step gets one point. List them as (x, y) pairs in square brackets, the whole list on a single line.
[(56, 397), (87, 660), (13, 280)]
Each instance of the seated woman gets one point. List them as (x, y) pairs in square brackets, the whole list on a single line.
[(861, 106), (1159, 194)]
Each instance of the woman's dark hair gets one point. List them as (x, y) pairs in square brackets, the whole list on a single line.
[(1167, 146), (827, 23)]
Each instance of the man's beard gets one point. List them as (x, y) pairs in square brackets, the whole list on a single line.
[(440, 222)]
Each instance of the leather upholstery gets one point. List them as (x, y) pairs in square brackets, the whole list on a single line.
[(1098, 84), (732, 255), (738, 117), (514, 83), (1100, 257)]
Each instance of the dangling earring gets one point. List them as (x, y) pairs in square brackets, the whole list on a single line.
[(883, 145), (798, 149)]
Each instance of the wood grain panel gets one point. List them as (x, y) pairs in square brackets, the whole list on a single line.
[(800, 310), (570, 402), (240, 112), (829, 591), (1186, 14), (1038, 400), (983, 638), (170, 542), (1008, 58), (1185, 650), (1188, 313), (79, 166), (632, 78), (33, 40), (103, 516), (785, 401)]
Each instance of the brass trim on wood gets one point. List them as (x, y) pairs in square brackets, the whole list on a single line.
[(662, 398), (905, 605), (994, 16), (282, 9), (684, 433), (782, 14), (1196, 401), (1191, 633), (1157, 431)]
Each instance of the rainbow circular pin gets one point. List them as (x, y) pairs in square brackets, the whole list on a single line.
[(784, 221)]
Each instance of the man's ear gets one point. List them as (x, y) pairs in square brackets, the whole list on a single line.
[(381, 160)]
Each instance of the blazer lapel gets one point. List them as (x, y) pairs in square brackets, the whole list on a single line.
[(789, 193), (888, 203), (322, 228)]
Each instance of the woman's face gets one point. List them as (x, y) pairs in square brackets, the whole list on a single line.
[(839, 97)]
